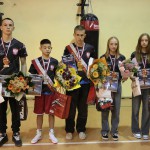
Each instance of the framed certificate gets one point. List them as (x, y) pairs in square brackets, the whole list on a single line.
[(112, 81), (144, 78)]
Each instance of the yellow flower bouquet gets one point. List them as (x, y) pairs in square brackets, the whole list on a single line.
[(67, 77), (98, 71)]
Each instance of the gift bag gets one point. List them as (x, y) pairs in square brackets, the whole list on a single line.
[(135, 85), (23, 108), (92, 95), (104, 100), (103, 93), (60, 105)]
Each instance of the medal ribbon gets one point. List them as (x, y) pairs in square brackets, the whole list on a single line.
[(6, 52), (80, 54), (113, 63), (45, 67), (144, 60)]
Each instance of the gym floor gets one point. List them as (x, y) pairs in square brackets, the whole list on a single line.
[(93, 140)]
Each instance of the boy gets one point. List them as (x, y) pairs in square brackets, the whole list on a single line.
[(46, 66), (11, 51), (82, 53)]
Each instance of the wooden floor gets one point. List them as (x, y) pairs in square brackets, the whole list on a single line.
[(93, 140)]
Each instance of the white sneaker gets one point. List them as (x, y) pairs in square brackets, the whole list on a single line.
[(145, 137), (36, 138), (53, 138), (69, 136), (137, 135), (82, 135)]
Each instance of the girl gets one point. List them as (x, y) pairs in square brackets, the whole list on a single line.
[(142, 56), (112, 57)]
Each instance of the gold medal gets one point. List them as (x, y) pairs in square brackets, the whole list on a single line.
[(114, 75), (79, 64), (6, 62), (144, 73)]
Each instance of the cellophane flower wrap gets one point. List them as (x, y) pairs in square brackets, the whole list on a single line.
[(128, 68), (98, 71), (18, 84), (67, 77)]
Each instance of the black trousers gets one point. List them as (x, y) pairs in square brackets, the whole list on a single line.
[(14, 106), (79, 102)]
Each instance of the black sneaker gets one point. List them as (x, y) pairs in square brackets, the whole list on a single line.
[(115, 136), (16, 139), (3, 139), (105, 136)]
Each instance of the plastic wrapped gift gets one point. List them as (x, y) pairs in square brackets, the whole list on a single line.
[(144, 78), (37, 85)]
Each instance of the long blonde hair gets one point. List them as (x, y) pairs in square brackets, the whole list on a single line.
[(108, 50)]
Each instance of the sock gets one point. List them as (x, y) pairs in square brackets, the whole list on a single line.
[(51, 131), (39, 131)]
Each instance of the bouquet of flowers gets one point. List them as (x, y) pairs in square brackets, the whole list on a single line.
[(67, 77), (98, 71), (18, 84), (128, 68)]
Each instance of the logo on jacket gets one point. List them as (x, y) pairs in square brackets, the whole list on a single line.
[(15, 51), (88, 55), (51, 67)]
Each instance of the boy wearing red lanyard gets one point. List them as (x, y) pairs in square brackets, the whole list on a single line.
[(46, 66), (142, 56), (82, 53), (12, 52)]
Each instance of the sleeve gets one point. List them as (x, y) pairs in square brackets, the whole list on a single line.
[(66, 51), (132, 55), (22, 51), (93, 53), (32, 69)]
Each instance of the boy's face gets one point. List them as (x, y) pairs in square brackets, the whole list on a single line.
[(7, 27), (46, 49), (79, 36)]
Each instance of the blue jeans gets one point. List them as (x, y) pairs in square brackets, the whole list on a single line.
[(145, 119), (114, 113)]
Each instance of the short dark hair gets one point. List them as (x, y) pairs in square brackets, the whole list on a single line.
[(79, 27), (7, 19), (45, 41)]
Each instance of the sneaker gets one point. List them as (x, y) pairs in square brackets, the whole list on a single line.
[(36, 139), (69, 136), (105, 136), (82, 135), (115, 136), (16, 139), (145, 137), (53, 138), (137, 135), (3, 139)]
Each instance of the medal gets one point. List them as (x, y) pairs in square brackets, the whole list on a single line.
[(113, 63), (5, 59), (46, 78), (6, 62), (79, 63), (114, 75)]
